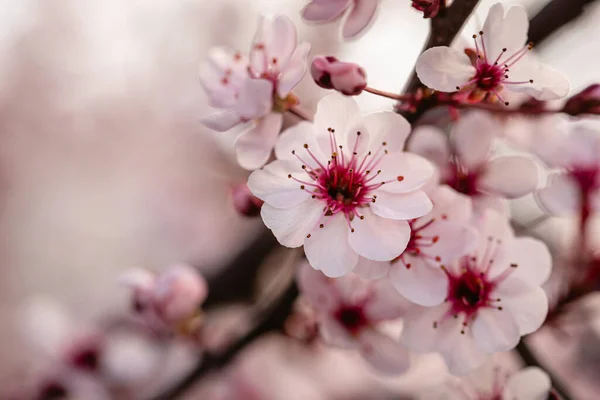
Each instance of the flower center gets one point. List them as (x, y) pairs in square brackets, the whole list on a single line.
[(489, 76), (463, 181), (53, 391), (351, 317), (587, 178), (86, 359)]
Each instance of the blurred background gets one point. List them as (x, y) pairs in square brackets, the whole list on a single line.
[(103, 163)]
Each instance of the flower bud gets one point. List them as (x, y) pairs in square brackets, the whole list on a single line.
[(585, 102), (179, 292), (430, 8), (244, 201), (330, 73)]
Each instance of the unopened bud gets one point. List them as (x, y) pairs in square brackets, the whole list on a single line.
[(179, 292), (585, 102), (330, 73), (430, 8), (244, 201)]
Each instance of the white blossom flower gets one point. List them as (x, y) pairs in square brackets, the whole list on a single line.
[(349, 311), (342, 186), (471, 170), (440, 237), (493, 298), (501, 61), (358, 14), (256, 89)]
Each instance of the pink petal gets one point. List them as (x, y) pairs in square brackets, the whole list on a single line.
[(442, 68), (532, 259), (290, 226), (255, 98), (419, 332), (495, 330), (502, 30), (450, 205), (401, 205), (253, 147), (335, 334), (384, 303), (388, 127), (473, 136), (282, 40), (510, 176), (461, 353), (272, 185), (324, 10), (137, 278), (530, 383), (561, 196), (317, 288), (293, 139), (294, 70), (431, 143), (338, 112), (383, 353), (372, 270), (359, 17), (377, 238), (403, 172), (548, 83), (529, 310), (455, 239), (421, 283), (179, 292), (328, 249), (483, 202), (222, 121)]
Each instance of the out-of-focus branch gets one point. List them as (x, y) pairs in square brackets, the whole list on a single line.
[(531, 359), (555, 15), (272, 319)]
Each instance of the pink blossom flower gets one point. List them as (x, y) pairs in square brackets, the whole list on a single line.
[(349, 310), (440, 237), (500, 61), (493, 298), (358, 14), (168, 299), (256, 89), (576, 187), (342, 186), (330, 73), (471, 170)]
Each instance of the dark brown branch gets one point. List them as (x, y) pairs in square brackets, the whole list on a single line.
[(554, 16), (272, 320)]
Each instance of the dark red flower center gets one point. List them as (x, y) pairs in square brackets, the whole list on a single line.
[(86, 359), (351, 317)]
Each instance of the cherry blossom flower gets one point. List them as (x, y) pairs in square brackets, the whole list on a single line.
[(530, 383), (349, 310), (576, 187), (440, 237), (493, 298), (168, 300), (500, 61), (330, 73), (342, 186), (358, 14), (257, 88), (471, 170)]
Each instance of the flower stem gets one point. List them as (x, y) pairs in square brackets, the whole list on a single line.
[(389, 95), (300, 113)]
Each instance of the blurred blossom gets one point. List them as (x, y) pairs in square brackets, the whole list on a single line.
[(330, 73), (500, 62), (474, 170), (585, 102), (257, 88), (493, 298), (357, 14), (349, 309), (342, 187), (244, 202)]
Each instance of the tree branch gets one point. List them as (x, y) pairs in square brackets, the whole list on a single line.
[(554, 16)]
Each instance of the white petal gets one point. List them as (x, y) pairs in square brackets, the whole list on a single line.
[(324, 10), (359, 17), (401, 205), (316, 288), (530, 383), (253, 147), (255, 98), (495, 330), (403, 172), (461, 353), (137, 278), (222, 121), (383, 353), (384, 303), (483, 202), (272, 185), (290, 226), (379, 239), (388, 127), (431, 143), (528, 310), (473, 136), (335, 334), (294, 70), (419, 332), (293, 140), (421, 283), (328, 249), (502, 30), (532, 259), (282, 40), (450, 205), (372, 270), (339, 113), (46, 325), (510, 176), (442, 68), (548, 83), (561, 196), (455, 239)]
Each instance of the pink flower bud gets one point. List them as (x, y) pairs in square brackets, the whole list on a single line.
[(244, 201), (179, 292), (585, 102), (330, 73), (430, 8)]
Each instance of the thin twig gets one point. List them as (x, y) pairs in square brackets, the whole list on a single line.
[(389, 95), (300, 113)]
